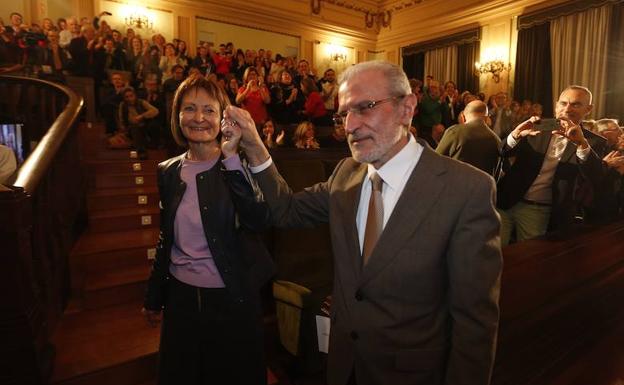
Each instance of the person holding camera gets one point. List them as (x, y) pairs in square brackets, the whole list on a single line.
[(536, 194), (253, 96)]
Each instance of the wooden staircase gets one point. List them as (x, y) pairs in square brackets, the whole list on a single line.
[(103, 338)]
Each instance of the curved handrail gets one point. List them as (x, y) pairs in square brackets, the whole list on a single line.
[(38, 162)]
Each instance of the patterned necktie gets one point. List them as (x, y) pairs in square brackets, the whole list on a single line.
[(374, 220)]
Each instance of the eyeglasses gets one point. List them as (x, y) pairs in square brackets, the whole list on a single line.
[(362, 108)]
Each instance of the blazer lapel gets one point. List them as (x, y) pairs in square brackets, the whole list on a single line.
[(347, 207), (420, 194)]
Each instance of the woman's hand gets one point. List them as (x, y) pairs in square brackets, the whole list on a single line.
[(152, 317), (280, 138)]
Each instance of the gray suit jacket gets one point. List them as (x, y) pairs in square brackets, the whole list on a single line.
[(424, 310), (473, 143)]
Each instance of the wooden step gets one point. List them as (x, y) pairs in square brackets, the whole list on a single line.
[(120, 219), (102, 251), (105, 346), (119, 259), (109, 154), (104, 199), (120, 166), (123, 180), (95, 243), (116, 286)]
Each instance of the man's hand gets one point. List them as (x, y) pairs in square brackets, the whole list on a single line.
[(249, 138), (573, 132), (525, 129), (152, 317), (614, 160)]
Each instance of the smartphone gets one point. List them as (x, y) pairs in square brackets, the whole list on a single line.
[(547, 125)]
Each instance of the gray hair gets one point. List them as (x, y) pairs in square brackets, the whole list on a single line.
[(603, 124), (398, 84), (582, 89)]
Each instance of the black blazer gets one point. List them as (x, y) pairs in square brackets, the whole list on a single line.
[(232, 212), (529, 157)]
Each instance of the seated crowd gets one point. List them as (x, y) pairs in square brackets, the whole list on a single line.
[(135, 78), (271, 87)]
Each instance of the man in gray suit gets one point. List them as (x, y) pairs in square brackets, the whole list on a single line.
[(501, 116), (472, 142), (414, 236)]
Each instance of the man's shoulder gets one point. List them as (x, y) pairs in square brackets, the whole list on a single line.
[(453, 168)]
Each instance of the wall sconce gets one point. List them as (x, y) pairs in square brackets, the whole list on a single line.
[(338, 56), (495, 67), (337, 53), (139, 21)]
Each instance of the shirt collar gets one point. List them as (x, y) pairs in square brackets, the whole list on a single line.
[(394, 170)]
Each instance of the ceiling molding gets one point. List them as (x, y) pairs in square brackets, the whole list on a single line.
[(456, 20)]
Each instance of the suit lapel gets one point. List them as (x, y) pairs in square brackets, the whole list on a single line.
[(420, 194), (347, 213)]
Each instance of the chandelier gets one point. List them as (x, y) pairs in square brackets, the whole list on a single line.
[(494, 67), (139, 21)]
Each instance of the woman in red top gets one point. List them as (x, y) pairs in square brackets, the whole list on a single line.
[(314, 107), (253, 96)]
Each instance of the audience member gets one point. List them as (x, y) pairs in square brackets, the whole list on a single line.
[(329, 91), (112, 97), (501, 115), (314, 108), (337, 139), (450, 97), (305, 137), (137, 117), (171, 85), (286, 100), (537, 193), (268, 132), (231, 89), (430, 111), (204, 61), (168, 61), (253, 96), (472, 142)]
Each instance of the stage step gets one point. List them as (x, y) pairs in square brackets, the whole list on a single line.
[(122, 166), (124, 219), (124, 180), (106, 346), (116, 286), (95, 253), (115, 198)]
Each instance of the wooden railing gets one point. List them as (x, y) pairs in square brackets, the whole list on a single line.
[(39, 220), (560, 297)]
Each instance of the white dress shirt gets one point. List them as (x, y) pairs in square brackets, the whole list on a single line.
[(395, 173)]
